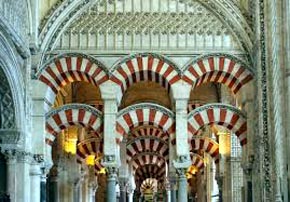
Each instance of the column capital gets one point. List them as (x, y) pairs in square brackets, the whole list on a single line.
[(248, 166), (110, 161), (24, 157), (181, 172), (10, 155), (182, 162), (112, 171)]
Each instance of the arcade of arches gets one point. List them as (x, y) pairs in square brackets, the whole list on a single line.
[(144, 100)]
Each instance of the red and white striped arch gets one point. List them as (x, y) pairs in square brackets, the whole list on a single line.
[(219, 69), (68, 68), (146, 145), (145, 67), (145, 114), (221, 114), (197, 161), (146, 158), (72, 114), (150, 171), (92, 146), (147, 131), (207, 145)]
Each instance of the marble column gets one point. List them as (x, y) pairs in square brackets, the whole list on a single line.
[(35, 178), (182, 185), (219, 180), (123, 187), (11, 173), (111, 184), (172, 187), (181, 93), (43, 185), (130, 195), (54, 193), (92, 192)]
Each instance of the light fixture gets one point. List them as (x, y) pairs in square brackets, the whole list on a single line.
[(70, 146), (90, 160)]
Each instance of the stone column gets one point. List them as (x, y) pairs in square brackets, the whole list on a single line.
[(92, 192), (172, 187), (43, 181), (182, 185), (54, 186), (111, 184), (11, 173), (247, 168), (35, 178), (123, 189), (111, 160), (109, 95), (219, 180), (130, 195), (23, 177), (180, 94)]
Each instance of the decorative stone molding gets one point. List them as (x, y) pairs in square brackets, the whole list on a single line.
[(181, 163), (112, 171), (16, 27), (24, 157), (225, 12), (38, 158), (7, 116), (181, 172), (248, 166), (10, 137)]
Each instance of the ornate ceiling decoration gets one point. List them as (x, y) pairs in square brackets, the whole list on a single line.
[(135, 24)]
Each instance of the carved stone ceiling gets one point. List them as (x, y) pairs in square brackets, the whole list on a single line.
[(146, 25)]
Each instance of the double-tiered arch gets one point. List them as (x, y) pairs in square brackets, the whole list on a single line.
[(68, 68), (221, 114), (71, 114), (218, 68)]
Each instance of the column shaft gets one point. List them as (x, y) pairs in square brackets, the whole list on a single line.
[(43, 188), (111, 188), (11, 176), (35, 177), (173, 195), (182, 188)]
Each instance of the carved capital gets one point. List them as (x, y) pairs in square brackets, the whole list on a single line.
[(112, 172), (182, 162), (38, 158), (109, 161), (181, 172), (10, 155), (24, 157), (248, 166)]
